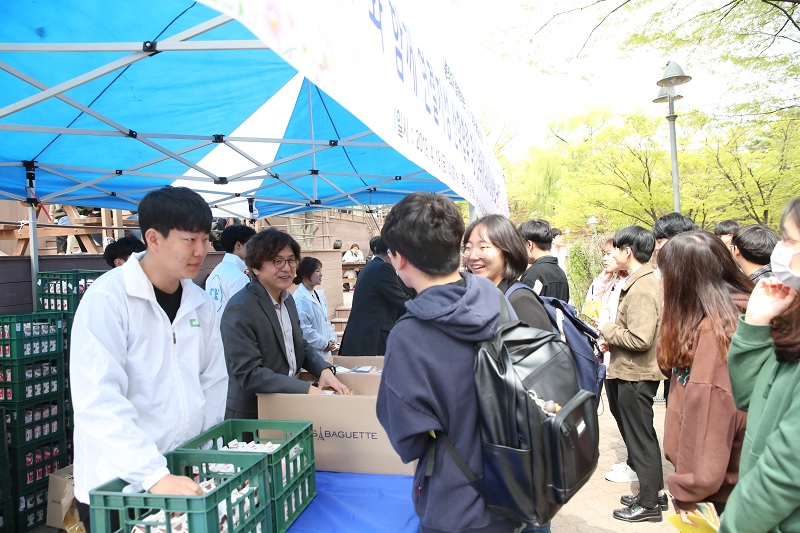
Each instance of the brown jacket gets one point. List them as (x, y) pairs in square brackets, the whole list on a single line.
[(706, 444), (632, 337)]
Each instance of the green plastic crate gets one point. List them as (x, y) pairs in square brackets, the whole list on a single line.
[(40, 378), (32, 421), (6, 514), (32, 464), (286, 464), (288, 506), (31, 335), (62, 290), (5, 480), (202, 511), (30, 509)]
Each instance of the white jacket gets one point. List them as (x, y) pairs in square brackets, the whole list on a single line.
[(314, 321), (140, 385), (225, 280)]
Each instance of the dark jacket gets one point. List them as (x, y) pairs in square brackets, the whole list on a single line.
[(378, 301), (703, 429), (552, 277), (255, 351), (527, 307), (428, 384)]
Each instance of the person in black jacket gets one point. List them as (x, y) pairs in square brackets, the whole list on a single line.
[(377, 304), (544, 276)]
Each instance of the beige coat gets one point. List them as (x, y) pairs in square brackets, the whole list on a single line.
[(632, 339)]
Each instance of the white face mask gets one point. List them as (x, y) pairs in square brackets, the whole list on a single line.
[(780, 259)]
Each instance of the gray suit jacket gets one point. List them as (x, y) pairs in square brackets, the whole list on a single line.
[(255, 352)]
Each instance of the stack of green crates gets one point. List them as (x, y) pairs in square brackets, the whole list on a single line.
[(291, 467), (244, 472), (61, 291), (32, 395), (6, 495)]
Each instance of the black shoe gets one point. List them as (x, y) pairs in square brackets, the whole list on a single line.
[(637, 513), (631, 499)]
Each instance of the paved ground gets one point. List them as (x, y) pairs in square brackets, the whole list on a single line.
[(590, 510)]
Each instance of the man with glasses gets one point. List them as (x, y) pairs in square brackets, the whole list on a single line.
[(264, 345), (377, 304)]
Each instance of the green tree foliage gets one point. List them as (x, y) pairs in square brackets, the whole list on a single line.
[(616, 170), (533, 185), (761, 38), (620, 171)]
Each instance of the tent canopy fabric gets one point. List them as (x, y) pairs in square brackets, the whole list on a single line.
[(106, 100)]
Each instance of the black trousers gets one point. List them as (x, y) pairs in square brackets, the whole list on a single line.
[(612, 394), (635, 401)]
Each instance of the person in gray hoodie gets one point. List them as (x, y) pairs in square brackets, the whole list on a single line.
[(427, 382)]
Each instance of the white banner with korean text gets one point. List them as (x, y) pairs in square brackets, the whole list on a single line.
[(371, 58)]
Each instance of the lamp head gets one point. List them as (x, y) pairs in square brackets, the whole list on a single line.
[(592, 222), (673, 75), (664, 93)]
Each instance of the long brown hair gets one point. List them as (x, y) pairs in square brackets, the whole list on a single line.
[(786, 327), (699, 277)]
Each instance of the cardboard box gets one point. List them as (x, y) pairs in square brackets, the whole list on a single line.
[(347, 434), (60, 497)]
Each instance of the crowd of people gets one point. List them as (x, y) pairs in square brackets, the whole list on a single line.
[(156, 359)]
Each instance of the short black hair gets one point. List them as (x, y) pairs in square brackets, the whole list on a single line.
[(266, 245), (305, 268), (505, 237), (378, 245), (639, 240), (426, 229), (538, 232), (556, 232), (122, 249), (672, 224), (170, 208), (726, 227), (755, 243), (233, 234)]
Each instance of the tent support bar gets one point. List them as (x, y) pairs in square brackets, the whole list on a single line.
[(134, 47)]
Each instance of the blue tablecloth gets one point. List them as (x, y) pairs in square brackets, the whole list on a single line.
[(355, 503)]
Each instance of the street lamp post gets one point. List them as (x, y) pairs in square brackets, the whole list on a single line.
[(673, 76)]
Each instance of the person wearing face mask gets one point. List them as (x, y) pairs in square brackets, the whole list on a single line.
[(765, 377)]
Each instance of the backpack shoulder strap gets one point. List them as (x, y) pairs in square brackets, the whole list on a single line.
[(516, 286), (452, 452)]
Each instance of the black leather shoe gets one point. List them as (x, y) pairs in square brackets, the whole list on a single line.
[(631, 499), (637, 513)]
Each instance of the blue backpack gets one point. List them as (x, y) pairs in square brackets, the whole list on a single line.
[(578, 335)]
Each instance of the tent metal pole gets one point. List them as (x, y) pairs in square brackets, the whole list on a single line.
[(311, 136), (33, 242)]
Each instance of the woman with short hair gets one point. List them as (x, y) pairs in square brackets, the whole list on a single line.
[(312, 307)]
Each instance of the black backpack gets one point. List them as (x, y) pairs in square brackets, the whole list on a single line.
[(533, 461), (581, 338)]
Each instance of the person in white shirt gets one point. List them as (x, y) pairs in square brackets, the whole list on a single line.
[(352, 255), (147, 366), (560, 248), (312, 307), (229, 276)]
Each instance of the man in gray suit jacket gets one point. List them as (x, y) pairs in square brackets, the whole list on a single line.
[(264, 345)]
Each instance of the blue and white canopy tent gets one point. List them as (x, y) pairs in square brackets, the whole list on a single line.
[(332, 104)]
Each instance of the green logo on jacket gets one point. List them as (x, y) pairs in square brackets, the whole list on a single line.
[(193, 323)]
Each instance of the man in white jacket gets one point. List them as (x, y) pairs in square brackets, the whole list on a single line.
[(229, 276), (147, 366)]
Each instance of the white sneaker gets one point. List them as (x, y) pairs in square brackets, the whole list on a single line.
[(619, 466), (623, 475)]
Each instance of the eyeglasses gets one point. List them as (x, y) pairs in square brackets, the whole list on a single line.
[(481, 250), (280, 261)]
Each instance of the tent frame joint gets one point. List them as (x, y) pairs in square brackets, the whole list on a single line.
[(314, 172), (333, 142), (132, 134), (219, 138), (150, 46), (221, 181)]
